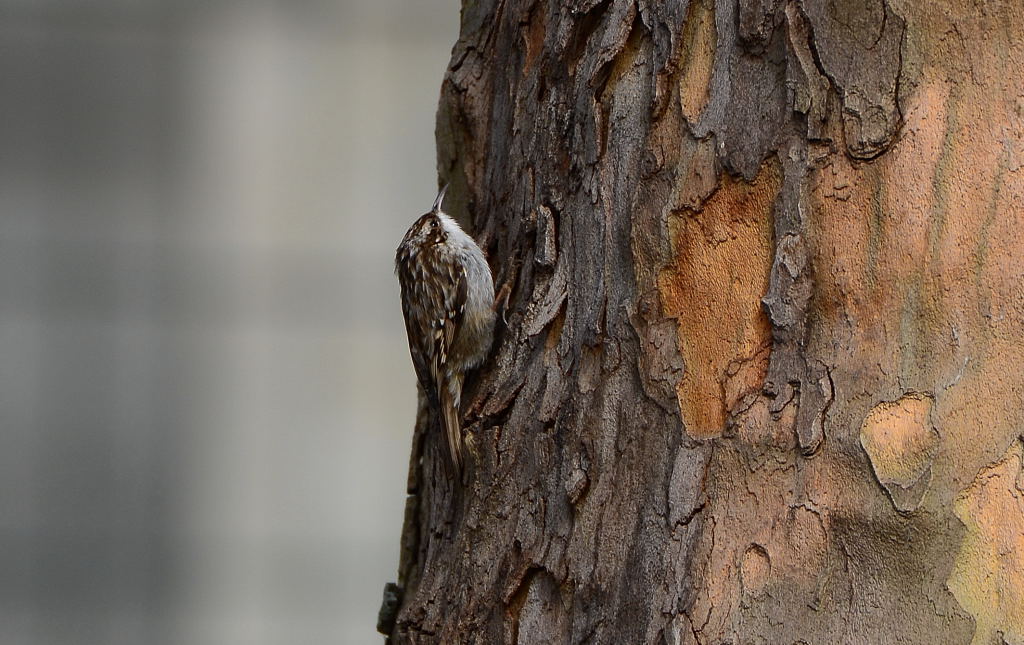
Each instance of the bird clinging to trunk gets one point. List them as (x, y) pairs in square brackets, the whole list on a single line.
[(448, 303)]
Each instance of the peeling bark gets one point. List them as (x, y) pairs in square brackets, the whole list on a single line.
[(759, 381)]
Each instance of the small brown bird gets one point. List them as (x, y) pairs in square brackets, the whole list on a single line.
[(448, 303)]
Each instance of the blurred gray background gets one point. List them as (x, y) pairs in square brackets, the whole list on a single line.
[(206, 398)]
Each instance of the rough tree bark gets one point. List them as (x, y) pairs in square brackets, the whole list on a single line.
[(761, 379)]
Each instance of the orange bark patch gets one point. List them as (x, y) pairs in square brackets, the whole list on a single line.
[(714, 289), (533, 37), (901, 444), (698, 58), (755, 567), (922, 252), (988, 576)]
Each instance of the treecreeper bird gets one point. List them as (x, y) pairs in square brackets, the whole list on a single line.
[(448, 303)]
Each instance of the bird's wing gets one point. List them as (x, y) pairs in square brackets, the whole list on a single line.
[(417, 328), (450, 391), (441, 290)]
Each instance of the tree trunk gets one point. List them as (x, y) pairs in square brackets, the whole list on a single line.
[(761, 378)]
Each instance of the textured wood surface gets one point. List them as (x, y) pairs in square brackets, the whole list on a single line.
[(760, 382)]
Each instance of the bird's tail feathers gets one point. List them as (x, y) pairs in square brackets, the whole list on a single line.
[(452, 429)]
